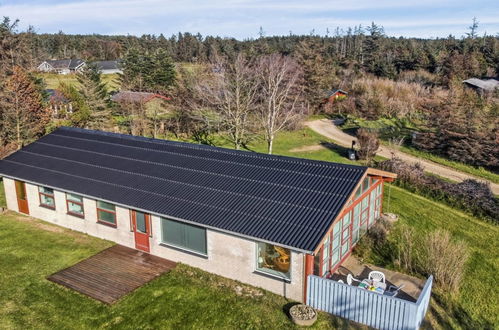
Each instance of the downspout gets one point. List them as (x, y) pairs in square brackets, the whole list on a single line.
[(309, 270)]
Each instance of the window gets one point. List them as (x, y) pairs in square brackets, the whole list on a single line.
[(345, 237), (46, 197), (372, 208), (274, 260), (365, 184), (356, 223), (184, 236), (325, 257), (74, 204), (335, 255), (106, 213)]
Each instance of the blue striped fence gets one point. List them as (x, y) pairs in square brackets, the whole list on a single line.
[(366, 307)]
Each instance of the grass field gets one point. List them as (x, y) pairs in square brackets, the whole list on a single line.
[(30, 300), (476, 304), (52, 80)]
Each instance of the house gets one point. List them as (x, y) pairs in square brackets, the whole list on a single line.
[(482, 86), (62, 66), (108, 67), (269, 221), (334, 94), (59, 104)]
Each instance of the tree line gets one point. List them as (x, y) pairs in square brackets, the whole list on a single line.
[(261, 86)]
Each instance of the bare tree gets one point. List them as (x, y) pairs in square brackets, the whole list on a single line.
[(369, 144), (281, 89), (232, 92)]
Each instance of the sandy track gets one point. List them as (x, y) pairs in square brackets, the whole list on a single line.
[(327, 128)]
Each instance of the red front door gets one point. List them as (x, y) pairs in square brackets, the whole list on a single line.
[(142, 229), (22, 200)]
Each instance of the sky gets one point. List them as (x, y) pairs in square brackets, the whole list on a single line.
[(242, 19)]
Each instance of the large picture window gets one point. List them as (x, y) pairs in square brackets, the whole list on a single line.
[(74, 204), (106, 213), (274, 260), (183, 235), (47, 198)]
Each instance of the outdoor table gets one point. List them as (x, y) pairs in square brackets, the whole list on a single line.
[(377, 287)]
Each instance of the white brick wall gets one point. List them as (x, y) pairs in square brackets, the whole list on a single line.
[(229, 256)]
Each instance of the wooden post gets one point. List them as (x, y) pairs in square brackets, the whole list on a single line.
[(309, 270)]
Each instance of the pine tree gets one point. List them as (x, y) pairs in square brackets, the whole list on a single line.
[(95, 96)]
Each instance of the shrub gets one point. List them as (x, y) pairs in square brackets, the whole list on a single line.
[(369, 144), (431, 254), (439, 256), (405, 245), (470, 195)]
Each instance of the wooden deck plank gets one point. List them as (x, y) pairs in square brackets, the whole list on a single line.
[(112, 273)]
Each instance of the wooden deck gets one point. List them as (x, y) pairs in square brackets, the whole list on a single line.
[(112, 273)]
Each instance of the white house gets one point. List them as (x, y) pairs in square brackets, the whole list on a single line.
[(62, 66)]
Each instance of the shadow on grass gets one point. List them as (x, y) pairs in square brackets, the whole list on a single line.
[(342, 151)]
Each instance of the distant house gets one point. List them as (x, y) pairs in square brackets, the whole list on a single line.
[(482, 86), (62, 66), (331, 96), (108, 67), (334, 94), (58, 102)]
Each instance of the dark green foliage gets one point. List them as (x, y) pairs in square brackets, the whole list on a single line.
[(152, 72), (463, 129)]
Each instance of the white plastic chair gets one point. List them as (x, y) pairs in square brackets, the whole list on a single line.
[(350, 279), (376, 276)]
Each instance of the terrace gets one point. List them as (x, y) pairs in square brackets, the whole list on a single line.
[(345, 295)]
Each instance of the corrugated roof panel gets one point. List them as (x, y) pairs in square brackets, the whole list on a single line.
[(285, 200)]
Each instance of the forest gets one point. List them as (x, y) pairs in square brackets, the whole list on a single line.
[(240, 89)]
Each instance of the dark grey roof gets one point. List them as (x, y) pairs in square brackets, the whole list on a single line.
[(107, 65), (65, 64), (284, 200)]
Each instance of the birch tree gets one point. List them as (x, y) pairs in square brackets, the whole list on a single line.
[(232, 91), (280, 81)]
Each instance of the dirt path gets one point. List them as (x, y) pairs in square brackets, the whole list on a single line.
[(328, 129)]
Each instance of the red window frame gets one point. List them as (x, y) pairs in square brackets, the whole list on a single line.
[(52, 207), (77, 203), (103, 222)]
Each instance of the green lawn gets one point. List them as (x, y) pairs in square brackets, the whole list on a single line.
[(183, 298), (477, 303), (52, 80)]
